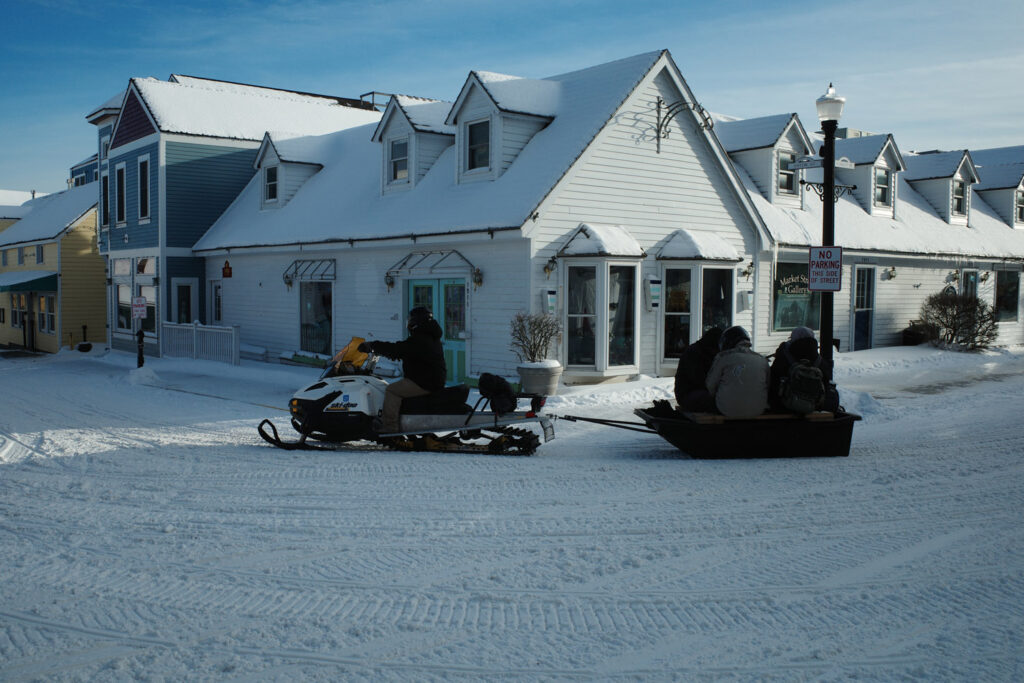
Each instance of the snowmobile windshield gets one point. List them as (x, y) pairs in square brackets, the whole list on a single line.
[(348, 361)]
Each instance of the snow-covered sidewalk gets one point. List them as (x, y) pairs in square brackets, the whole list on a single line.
[(148, 533)]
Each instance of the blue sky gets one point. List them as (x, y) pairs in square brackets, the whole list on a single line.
[(935, 73)]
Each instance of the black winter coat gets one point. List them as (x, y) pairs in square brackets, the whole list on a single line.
[(799, 349), (421, 354), (694, 363)]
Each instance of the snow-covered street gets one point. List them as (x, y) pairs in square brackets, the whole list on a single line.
[(146, 532)]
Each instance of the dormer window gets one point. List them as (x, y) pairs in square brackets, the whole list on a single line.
[(1020, 206), (478, 147), (270, 184), (399, 166), (883, 190), (959, 198), (787, 176)]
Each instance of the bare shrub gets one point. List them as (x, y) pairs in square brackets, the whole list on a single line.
[(532, 334), (959, 321)]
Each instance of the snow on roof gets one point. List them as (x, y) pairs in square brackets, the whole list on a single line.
[(1000, 176), (594, 239), (88, 160), (51, 216), (697, 244), (230, 110), (998, 155), (306, 149), (344, 200), (740, 134), (537, 97), (916, 229), (15, 197), (113, 104), (426, 115), (863, 150), (932, 165)]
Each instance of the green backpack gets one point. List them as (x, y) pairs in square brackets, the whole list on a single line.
[(802, 390)]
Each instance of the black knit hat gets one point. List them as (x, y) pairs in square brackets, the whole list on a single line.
[(418, 316), (733, 336)]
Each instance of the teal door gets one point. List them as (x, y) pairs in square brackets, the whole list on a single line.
[(446, 299)]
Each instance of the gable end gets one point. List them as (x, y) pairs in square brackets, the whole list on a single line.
[(133, 124)]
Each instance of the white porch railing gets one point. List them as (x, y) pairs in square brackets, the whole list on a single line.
[(200, 341)]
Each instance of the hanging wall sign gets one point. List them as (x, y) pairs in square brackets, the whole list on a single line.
[(226, 270)]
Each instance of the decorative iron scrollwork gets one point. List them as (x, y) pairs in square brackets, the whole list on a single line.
[(666, 112), (839, 190)]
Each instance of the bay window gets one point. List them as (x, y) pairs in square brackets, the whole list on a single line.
[(697, 298), (601, 315)]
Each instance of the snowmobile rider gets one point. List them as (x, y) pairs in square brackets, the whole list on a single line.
[(423, 365), (692, 373), (738, 378)]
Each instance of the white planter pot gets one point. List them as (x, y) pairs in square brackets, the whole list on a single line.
[(539, 379)]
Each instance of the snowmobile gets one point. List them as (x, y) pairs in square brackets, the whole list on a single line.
[(344, 406)]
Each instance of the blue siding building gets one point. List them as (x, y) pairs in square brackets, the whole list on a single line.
[(172, 156)]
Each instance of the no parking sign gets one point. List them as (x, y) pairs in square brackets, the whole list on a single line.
[(825, 269)]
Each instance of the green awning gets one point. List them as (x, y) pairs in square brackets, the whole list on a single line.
[(28, 281)]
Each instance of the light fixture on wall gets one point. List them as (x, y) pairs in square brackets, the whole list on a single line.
[(287, 280), (550, 267), (389, 281), (954, 275), (890, 273), (984, 276), (478, 277), (126, 238), (748, 271)]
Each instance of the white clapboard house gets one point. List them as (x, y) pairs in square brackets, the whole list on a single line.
[(607, 196)]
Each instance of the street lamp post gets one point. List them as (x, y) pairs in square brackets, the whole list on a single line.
[(830, 108)]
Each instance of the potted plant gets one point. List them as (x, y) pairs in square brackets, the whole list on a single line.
[(531, 338)]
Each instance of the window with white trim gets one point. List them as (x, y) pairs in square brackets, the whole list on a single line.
[(2, 312), (21, 256), (787, 176), (678, 319), (124, 308), (40, 253), (148, 323), (3, 256), (969, 283), (104, 147), (105, 201), (1020, 206), (959, 198), (144, 187), (478, 145), (601, 315), (119, 198), (47, 313), (883, 186), (1007, 295), (122, 266), (270, 184), (19, 309), (398, 166)]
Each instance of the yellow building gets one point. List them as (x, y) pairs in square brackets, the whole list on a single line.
[(52, 286)]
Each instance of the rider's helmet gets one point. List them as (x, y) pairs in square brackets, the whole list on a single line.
[(733, 336)]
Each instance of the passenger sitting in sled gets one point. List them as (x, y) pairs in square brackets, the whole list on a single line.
[(801, 346), (738, 378), (692, 373), (423, 365)]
